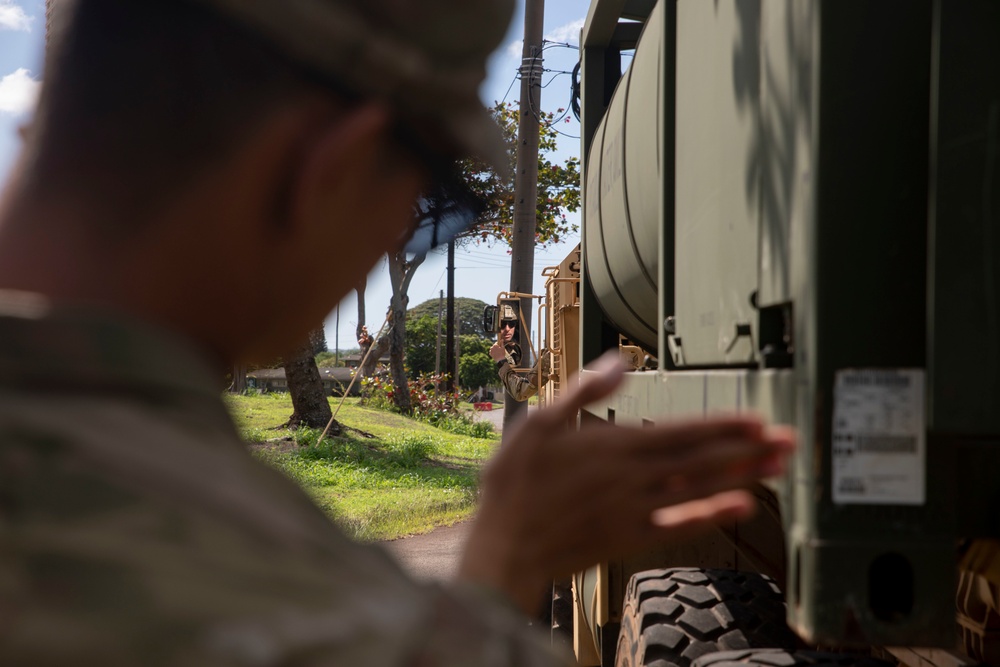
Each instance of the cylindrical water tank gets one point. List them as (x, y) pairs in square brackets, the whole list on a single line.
[(621, 209)]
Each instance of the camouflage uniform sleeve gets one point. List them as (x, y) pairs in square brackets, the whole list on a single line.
[(517, 386), (522, 387), (173, 553)]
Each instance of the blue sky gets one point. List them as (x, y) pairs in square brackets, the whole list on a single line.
[(481, 272), (22, 36)]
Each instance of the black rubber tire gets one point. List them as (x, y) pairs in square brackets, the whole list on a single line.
[(781, 658), (671, 617)]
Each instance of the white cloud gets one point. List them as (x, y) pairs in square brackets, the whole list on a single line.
[(12, 17), (18, 92), (566, 34), (569, 33)]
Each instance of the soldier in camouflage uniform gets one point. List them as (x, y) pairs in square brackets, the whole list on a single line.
[(178, 147), (519, 387)]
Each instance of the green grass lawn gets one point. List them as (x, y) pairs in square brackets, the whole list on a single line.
[(384, 477)]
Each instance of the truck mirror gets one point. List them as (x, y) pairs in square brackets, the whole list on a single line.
[(490, 320)]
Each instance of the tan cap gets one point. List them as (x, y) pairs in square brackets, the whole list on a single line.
[(426, 58)]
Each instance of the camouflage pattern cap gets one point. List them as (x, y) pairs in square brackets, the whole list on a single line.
[(426, 58)]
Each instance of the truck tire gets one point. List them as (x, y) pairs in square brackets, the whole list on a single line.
[(673, 616), (782, 658)]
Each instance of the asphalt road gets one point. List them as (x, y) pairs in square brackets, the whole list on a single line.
[(433, 556), (494, 416)]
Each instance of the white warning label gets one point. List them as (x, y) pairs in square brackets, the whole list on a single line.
[(879, 437)]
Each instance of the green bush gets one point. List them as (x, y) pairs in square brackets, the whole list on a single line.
[(462, 425), (430, 405)]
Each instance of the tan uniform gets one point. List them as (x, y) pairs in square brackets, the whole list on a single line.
[(522, 386), (135, 529)]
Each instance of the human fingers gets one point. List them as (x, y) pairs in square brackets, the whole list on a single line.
[(675, 520), (631, 532), (680, 489), (607, 375), (679, 435), (783, 437), (705, 448)]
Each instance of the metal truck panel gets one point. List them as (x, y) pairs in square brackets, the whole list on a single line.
[(839, 160), (964, 299), (717, 179), (623, 233)]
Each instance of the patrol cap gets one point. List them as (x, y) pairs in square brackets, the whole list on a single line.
[(507, 313), (424, 58)]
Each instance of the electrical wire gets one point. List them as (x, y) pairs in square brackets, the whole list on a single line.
[(550, 125), (517, 75), (440, 278), (568, 136), (548, 43)]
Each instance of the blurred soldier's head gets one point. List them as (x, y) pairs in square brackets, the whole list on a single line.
[(219, 164)]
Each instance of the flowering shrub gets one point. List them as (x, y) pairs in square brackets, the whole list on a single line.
[(377, 391), (429, 403)]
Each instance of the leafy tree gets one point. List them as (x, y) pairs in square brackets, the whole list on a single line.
[(421, 344), (558, 184), (473, 344), (476, 370), (470, 314), (421, 334)]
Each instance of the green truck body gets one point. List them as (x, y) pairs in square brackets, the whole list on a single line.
[(794, 206)]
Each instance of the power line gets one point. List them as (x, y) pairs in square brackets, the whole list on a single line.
[(568, 136), (444, 271), (548, 43), (517, 75)]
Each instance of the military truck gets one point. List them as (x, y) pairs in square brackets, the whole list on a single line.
[(791, 207)]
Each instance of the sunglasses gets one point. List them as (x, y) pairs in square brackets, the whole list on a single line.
[(508, 325), (447, 208)]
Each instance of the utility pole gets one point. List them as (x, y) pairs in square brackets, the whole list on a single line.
[(522, 264), (450, 321), (458, 345), (437, 348)]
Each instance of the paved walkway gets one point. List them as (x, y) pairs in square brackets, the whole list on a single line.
[(494, 416), (433, 556)]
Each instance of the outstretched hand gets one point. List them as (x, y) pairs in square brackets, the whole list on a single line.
[(555, 501)]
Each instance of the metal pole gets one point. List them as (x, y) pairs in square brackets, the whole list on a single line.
[(336, 340), (450, 321), (437, 348), (522, 263)]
